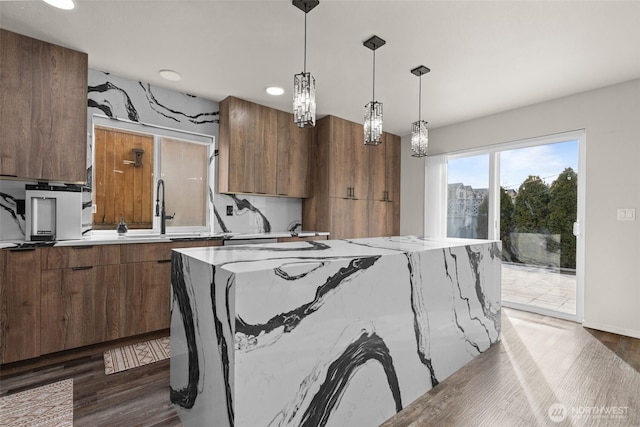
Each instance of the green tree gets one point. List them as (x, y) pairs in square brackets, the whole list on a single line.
[(563, 205), (531, 206), (482, 227), (507, 225)]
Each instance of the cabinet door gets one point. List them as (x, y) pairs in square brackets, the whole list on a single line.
[(238, 136), (145, 297), (293, 157), (392, 167), (19, 305), (299, 149), (283, 147), (43, 105), (381, 219), (266, 150), (80, 306), (350, 218), (377, 170), (349, 161), (361, 162), (337, 133), (393, 182), (16, 86)]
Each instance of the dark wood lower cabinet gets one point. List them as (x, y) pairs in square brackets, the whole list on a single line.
[(349, 218), (61, 298), (79, 307), (19, 305), (145, 300), (383, 218)]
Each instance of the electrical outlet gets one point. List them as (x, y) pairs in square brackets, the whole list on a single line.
[(229, 210)]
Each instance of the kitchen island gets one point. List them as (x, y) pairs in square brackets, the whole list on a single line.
[(337, 332)]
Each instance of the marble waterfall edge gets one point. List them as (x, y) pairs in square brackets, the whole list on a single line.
[(338, 332)]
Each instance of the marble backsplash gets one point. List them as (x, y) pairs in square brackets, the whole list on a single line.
[(121, 98)]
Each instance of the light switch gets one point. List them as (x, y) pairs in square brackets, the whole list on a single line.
[(626, 214)]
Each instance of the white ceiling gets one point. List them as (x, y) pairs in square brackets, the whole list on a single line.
[(485, 56)]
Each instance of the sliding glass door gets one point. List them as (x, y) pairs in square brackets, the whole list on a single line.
[(527, 194), (539, 206)]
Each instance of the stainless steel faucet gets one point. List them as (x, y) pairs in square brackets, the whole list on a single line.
[(161, 212)]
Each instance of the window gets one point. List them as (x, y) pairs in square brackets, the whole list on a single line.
[(128, 160), (468, 197), (529, 195)]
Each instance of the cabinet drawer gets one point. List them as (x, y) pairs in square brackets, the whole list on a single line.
[(79, 256), (141, 252)]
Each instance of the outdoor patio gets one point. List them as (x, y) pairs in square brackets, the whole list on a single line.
[(541, 287)]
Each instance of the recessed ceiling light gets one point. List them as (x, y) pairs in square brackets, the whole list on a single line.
[(174, 76), (275, 90), (61, 4)]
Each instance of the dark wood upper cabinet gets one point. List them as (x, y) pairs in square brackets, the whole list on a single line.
[(43, 110), (355, 187), (293, 157), (261, 151)]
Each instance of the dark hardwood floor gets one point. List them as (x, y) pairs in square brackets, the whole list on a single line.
[(540, 361)]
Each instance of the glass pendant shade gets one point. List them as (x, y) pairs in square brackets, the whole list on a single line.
[(419, 131), (304, 84), (419, 138), (373, 123), (373, 110), (304, 100)]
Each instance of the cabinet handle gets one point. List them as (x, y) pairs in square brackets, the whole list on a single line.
[(22, 249), (162, 261), (88, 267), (82, 247)]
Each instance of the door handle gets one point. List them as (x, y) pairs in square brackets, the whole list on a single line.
[(577, 228)]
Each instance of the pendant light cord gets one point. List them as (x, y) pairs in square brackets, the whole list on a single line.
[(374, 76), (420, 99), (305, 44)]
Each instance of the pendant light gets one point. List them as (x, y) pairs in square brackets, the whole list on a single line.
[(373, 110), (419, 131), (304, 85)]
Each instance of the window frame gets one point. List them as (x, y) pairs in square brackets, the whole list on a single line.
[(158, 132)]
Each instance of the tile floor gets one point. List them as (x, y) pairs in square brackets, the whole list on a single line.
[(540, 287)]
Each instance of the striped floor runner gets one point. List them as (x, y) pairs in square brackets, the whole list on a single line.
[(48, 406), (132, 356)]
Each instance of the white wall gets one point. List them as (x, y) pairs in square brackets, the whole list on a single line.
[(611, 118), (411, 191)]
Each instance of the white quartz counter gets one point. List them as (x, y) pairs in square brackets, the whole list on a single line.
[(331, 332), (110, 238)]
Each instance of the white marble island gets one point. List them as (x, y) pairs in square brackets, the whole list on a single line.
[(337, 332)]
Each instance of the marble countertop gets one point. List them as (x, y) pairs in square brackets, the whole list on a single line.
[(109, 238), (266, 256)]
